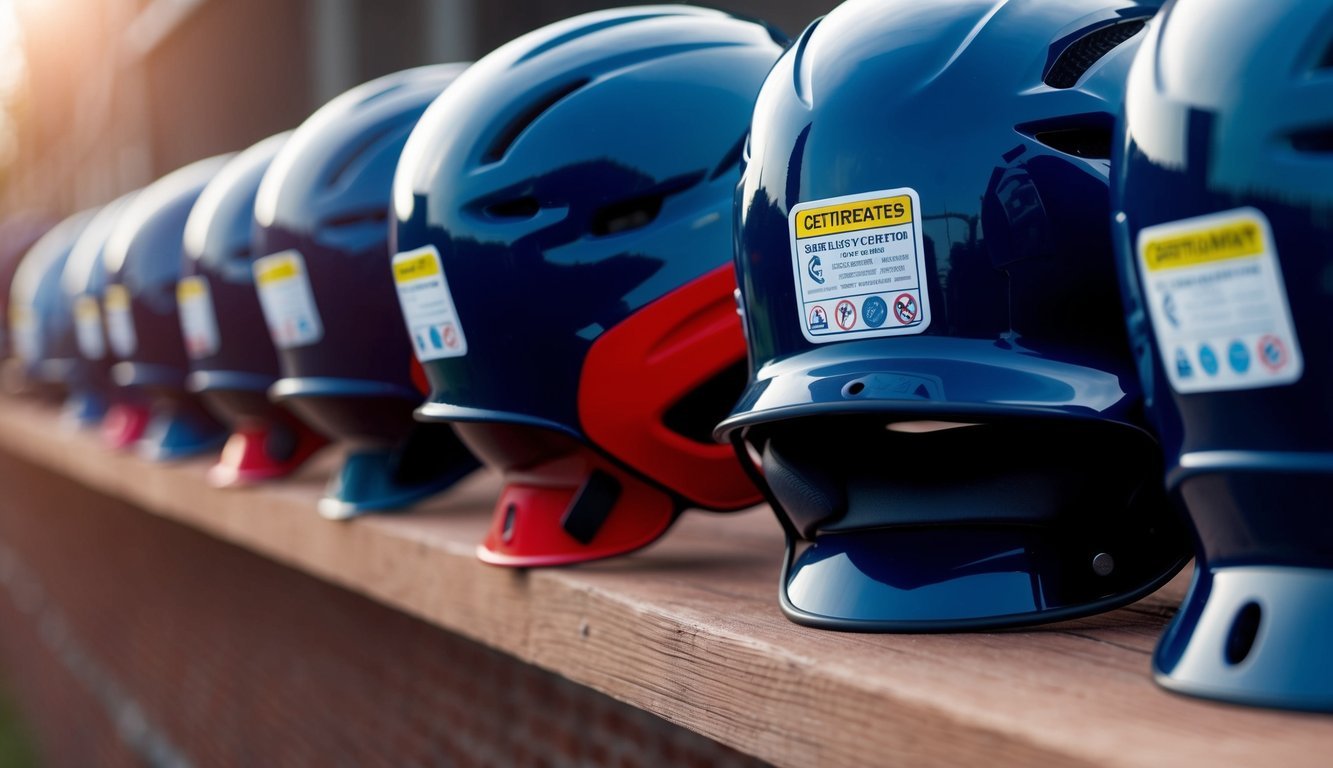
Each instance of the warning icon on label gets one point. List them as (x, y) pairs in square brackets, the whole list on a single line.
[(904, 308), (818, 319), (1272, 352), (845, 315), (874, 311)]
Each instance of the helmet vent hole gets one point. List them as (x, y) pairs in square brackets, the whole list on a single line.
[(1078, 57), (1313, 140), (694, 415), (521, 208), (626, 215), (510, 520), (506, 138), (1092, 142), (376, 216), (853, 389), (1244, 630)]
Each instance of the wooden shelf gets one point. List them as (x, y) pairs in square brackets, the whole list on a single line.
[(690, 630)]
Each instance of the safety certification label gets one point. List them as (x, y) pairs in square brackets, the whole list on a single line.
[(199, 323), (88, 328), (1215, 294), (287, 300), (858, 262), (119, 321), (24, 332), (428, 306)]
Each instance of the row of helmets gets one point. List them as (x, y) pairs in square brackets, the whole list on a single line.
[(1035, 296)]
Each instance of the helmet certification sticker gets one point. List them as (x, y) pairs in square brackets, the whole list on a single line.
[(119, 321), (1215, 294), (428, 306), (858, 263), (88, 328), (24, 332), (287, 300), (199, 323)]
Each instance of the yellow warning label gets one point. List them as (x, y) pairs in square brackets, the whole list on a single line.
[(850, 217), (189, 288), (408, 267), (1216, 243), (276, 269), (85, 309), (117, 298)]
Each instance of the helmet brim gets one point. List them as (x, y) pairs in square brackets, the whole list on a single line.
[(931, 378), (947, 579)]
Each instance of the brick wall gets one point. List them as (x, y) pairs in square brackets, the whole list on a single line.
[(127, 639)]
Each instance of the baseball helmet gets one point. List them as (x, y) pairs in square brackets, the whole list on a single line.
[(18, 233), (941, 396), (232, 360), (84, 282), (563, 233), (1223, 199), (40, 324), (327, 295), (142, 258)]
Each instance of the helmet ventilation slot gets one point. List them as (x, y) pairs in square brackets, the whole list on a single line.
[(1244, 631), (377, 216), (1313, 140), (695, 414), (510, 134), (1079, 56), (1090, 142), (517, 208)]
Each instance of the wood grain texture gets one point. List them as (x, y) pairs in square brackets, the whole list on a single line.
[(690, 629)]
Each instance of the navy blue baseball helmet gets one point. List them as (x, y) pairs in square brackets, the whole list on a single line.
[(41, 327), (18, 232), (143, 263), (322, 239), (942, 398), (1223, 199), (562, 260), (84, 283), (232, 360)]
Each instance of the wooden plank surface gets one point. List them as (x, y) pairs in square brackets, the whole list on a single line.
[(690, 629)]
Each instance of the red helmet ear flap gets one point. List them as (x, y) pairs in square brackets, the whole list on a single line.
[(562, 502), (637, 371)]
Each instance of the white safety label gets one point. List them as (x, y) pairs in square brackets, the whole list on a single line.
[(199, 323), (120, 321), (88, 328), (858, 262), (1215, 294), (24, 332), (287, 300), (428, 306)]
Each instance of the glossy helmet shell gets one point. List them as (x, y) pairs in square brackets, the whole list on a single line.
[(1227, 128), (974, 457), (41, 325), (143, 263), (576, 186), (82, 282), (232, 360), (324, 202), (18, 233)]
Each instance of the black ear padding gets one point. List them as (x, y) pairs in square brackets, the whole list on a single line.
[(808, 496)]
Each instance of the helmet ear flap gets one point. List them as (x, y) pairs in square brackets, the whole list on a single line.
[(809, 495)]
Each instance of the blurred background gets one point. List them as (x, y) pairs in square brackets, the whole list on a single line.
[(98, 97)]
